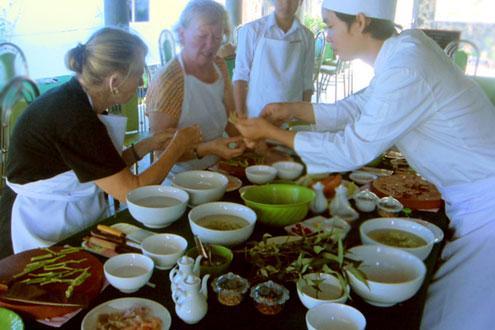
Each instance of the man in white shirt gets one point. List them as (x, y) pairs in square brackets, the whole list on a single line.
[(439, 119), (274, 60)]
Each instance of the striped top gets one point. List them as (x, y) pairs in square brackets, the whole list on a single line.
[(166, 91)]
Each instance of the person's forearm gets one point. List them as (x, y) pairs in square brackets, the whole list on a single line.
[(141, 149), (281, 135), (303, 111), (157, 172), (240, 95), (307, 95), (203, 149)]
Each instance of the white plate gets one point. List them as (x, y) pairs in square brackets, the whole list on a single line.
[(132, 232), (437, 232), (234, 183), (119, 305)]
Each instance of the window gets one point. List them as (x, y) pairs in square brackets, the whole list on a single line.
[(139, 10)]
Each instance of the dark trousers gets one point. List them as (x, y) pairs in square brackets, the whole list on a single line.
[(6, 203)]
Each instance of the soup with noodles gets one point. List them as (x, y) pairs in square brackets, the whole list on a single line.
[(222, 222), (397, 238), (158, 201)]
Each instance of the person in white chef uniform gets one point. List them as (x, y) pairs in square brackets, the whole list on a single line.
[(439, 119), (274, 60), (64, 152)]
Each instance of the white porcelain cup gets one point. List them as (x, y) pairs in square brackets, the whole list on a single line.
[(330, 316)]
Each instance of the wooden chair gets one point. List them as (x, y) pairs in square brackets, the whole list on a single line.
[(166, 45), (15, 96)]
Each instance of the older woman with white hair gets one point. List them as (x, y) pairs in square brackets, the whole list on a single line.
[(438, 118), (195, 88)]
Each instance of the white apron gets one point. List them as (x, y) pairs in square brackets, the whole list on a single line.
[(47, 211), (462, 293), (203, 105), (277, 74)]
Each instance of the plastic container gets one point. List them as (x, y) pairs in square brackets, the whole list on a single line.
[(269, 297), (230, 289)]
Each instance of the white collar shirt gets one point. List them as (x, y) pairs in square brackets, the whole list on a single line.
[(250, 34), (420, 102)]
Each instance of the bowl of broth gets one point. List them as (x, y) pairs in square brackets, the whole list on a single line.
[(157, 206), (202, 186), (164, 249), (393, 275), (400, 233), (260, 174), (332, 315), (128, 272), (222, 223)]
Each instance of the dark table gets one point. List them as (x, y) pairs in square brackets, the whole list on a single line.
[(406, 315)]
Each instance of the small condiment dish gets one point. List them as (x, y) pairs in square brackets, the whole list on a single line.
[(128, 272), (260, 174), (222, 258), (164, 249), (269, 297), (362, 177), (230, 289), (365, 200), (329, 289), (334, 316), (288, 170), (389, 207)]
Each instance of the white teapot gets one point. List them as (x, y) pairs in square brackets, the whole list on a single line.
[(191, 300), (185, 266)]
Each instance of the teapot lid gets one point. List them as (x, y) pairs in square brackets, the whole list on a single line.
[(191, 280), (185, 260)]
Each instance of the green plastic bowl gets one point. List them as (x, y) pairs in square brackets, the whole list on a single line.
[(214, 271), (279, 205), (10, 320)]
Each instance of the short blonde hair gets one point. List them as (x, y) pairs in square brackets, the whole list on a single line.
[(107, 51), (210, 10)]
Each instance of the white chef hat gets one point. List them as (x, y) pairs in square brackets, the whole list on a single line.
[(381, 9)]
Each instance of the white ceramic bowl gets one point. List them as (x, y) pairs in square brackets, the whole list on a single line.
[(288, 170), (222, 237), (403, 224), (331, 290), (202, 186), (148, 205), (260, 174), (362, 177), (164, 249), (393, 275), (128, 272), (334, 316)]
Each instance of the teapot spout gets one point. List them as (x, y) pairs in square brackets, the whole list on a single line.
[(197, 265), (204, 285)]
